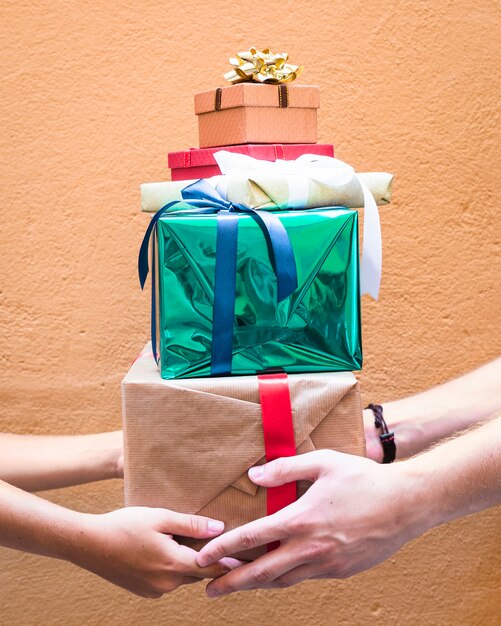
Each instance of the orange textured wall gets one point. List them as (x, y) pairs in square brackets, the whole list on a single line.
[(93, 97)]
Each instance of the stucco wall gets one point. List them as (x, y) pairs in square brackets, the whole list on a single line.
[(93, 97)]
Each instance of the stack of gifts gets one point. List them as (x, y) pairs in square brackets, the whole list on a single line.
[(255, 301)]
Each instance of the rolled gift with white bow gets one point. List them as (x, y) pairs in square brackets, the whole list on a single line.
[(253, 188), (311, 181)]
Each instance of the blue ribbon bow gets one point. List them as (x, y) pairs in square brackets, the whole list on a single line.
[(203, 198)]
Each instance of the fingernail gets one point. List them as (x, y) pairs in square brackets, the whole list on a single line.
[(256, 472), (212, 593), (213, 526)]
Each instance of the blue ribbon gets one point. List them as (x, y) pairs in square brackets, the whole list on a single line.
[(203, 198)]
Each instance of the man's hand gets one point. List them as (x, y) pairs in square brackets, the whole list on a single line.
[(355, 515), (357, 512), (134, 549)]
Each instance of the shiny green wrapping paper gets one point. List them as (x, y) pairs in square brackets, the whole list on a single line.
[(316, 329)]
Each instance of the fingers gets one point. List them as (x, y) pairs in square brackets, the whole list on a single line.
[(212, 571), (257, 533), (297, 575), (230, 563), (307, 466), (189, 525), (186, 563), (260, 573)]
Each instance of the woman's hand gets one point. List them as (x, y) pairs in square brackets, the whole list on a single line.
[(134, 549)]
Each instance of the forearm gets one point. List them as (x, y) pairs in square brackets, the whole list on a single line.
[(421, 420), (36, 463), (456, 478), (31, 524)]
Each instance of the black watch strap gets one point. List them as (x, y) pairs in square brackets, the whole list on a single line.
[(386, 437)]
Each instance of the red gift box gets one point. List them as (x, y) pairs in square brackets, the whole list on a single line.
[(198, 163)]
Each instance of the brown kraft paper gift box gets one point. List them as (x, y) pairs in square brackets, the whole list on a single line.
[(256, 113), (189, 442)]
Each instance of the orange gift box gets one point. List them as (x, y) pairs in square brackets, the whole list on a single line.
[(257, 113)]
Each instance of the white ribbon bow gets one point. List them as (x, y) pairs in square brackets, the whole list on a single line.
[(330, 172)]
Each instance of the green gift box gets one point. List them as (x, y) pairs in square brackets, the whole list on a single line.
[(316, 328)]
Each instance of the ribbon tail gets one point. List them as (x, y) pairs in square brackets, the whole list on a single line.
[(143, 267), (280, 251), (372, 251), (153, 308), (143, 270), (142, 260)]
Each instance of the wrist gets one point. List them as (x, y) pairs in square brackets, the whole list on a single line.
[(382, 443), (67, 534), (79, 545), (109, 449), (405, 427), (115, 457), (373, 447), (417, 507)]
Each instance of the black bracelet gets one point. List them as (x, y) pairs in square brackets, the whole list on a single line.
[(386, 437)]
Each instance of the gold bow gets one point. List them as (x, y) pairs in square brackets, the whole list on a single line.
[(262, 66)]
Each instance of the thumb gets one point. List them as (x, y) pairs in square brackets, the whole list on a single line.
[(196, 526), (308, 466)]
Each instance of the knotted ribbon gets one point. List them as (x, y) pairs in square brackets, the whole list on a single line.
[(202, 198), (329, 172)]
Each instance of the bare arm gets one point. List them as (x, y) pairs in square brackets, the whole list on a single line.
[(357, 512), (459, 477), (36, 463), (132, 548), (428, 417)]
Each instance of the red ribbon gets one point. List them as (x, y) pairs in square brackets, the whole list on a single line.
[(278, 430)]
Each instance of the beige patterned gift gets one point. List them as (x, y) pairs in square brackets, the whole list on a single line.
[(190, 442), (268, 191)]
